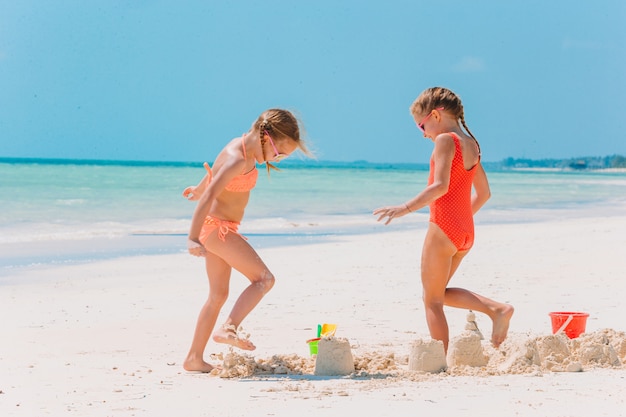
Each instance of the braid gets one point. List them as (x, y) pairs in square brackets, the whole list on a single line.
[(466, 128), (461, 117), (265, 126), (470, 133)]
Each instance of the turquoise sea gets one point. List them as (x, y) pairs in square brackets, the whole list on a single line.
[(63, 211)]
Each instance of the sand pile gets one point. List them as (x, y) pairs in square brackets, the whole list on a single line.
[(467, 356), (236, 365), (376, 363), (552, 353)]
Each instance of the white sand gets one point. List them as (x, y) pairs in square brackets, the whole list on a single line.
[(108, 338)]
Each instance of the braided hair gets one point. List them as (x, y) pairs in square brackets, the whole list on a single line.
[(280, 125), (435, 97)]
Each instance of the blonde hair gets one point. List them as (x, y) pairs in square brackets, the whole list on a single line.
[(280, 125), (435, 97)]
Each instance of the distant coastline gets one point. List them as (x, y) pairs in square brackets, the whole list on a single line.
[(612, 163)]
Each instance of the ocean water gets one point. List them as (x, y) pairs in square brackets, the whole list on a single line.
[(73, 211)]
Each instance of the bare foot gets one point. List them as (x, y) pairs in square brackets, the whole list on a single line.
[(228, 334), (501, 325), (193, 364)]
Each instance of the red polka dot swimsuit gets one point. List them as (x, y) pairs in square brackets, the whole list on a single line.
[(452, 212)]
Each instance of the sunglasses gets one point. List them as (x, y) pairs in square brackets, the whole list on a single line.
[(277, 155), (420, 125)]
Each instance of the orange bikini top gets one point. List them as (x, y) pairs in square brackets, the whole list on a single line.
[(241, 183)]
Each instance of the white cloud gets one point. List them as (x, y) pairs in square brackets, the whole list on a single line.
[(469, 64)]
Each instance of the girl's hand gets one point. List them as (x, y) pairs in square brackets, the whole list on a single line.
[(195, 248), (194, 193), (391, 212), (190, 193)]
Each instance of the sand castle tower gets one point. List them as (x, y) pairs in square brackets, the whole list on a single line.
[(466, 349), (471, 324)]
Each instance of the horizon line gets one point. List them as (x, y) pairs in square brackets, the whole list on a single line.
[(292, 162)]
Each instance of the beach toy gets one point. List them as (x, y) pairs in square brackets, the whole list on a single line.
[(323, 330), (328, 330), (313, 345), (570, 322)]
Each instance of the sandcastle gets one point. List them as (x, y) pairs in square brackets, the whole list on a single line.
[(334, 357), (427, 356), (466, 349)]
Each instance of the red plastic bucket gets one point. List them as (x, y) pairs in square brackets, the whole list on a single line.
[(574, 322)]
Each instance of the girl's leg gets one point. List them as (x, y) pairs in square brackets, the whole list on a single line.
[(236, 252), (437, 254), (499, 313), (218, 272)]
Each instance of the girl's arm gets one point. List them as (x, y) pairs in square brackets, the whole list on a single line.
[(194, 193), (482, 193), (443, 155)]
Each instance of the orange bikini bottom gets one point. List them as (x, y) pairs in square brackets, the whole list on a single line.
[(223, 228)]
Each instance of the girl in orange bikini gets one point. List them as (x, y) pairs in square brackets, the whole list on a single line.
[(222, 197), (454, 169)]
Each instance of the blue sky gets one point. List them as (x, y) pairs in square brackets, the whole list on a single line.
[(174, 80)]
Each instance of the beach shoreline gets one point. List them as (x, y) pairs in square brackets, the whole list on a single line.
[(22, 251), (108, 337)]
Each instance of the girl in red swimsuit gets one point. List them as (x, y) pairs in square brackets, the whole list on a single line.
[(455, 169), (222, 196)]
